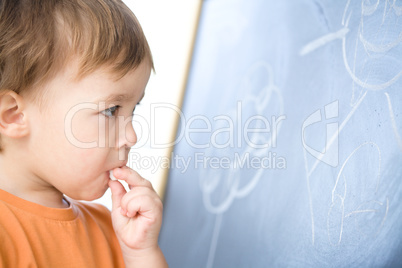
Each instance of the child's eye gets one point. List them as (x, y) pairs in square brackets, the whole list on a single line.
[(111, 111)]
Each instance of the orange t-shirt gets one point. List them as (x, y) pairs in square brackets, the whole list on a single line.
[(32, 235)]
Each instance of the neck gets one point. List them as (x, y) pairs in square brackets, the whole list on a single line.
[(18, 181)]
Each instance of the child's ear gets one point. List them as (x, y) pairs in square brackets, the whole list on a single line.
[(13, 122)]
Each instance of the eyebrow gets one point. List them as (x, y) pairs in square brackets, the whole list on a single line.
[(119, 98)]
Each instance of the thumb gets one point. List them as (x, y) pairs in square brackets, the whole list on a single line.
[(118, 192)]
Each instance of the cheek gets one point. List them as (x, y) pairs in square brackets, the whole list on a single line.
[(86, 163), (81, 129), (89, 131), (84, 177)]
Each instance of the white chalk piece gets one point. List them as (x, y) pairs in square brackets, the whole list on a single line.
[(112, 177)]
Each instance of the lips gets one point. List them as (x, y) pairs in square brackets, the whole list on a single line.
[(123, 163)]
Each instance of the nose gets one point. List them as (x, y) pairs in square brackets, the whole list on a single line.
[(127, 135)]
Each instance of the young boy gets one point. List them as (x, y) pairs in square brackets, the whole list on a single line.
[(71, 74)]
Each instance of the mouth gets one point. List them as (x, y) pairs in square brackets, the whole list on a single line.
[(111, 176)]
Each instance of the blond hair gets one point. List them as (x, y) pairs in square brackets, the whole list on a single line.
[(38, 38)]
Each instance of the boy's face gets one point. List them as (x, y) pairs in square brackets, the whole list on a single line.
[(81, 135)]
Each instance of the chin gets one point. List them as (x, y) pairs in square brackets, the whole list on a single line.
[(97, 195), (90, 195)]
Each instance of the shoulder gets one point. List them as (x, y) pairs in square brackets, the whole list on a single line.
[(12, 237)]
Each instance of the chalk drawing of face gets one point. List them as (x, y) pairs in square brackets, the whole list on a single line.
[(372, 51), (372, 47), (262, 99), (371, 36)]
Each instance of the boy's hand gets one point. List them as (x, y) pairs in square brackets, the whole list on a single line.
[(137, 218)]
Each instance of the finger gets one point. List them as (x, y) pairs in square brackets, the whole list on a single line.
[(144, 205), (131, 177), (118, 192), (134, 193)]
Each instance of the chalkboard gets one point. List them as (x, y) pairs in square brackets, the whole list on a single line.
[(289, 151)]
